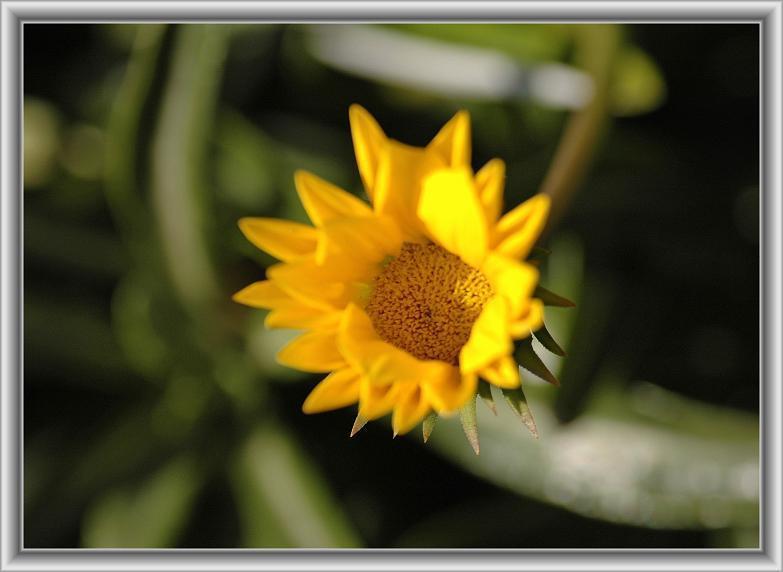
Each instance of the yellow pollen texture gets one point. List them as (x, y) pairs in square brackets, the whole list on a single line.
[(426, 300)]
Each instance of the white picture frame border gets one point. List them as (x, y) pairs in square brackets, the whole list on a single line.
[(14, 14)]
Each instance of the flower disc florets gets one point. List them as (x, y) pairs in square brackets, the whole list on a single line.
[(426, 300)]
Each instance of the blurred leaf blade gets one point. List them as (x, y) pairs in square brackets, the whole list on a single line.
[(151, 516), (178, 150), (620, 466), (125, 187), (282, 500)]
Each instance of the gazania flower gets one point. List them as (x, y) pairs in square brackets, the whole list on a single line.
[(408, 301)]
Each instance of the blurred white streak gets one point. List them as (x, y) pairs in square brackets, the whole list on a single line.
[(446, 69)]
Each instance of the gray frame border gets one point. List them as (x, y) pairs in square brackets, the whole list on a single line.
[(13, 14)]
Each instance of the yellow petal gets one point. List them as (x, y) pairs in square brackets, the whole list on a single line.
[(314, 352), (530, 320), (398, 185), (368, 143), (281, 238), (336, 390), (323, 201), (489, 338), (516, 233), (489, 183), (503, 373), (360, 242), (297, 316), (453, 216), (311, 284), (263, 294), (450, 392), (452, 143), (410, 409), (376, 400), (379, 361), (514, 281)]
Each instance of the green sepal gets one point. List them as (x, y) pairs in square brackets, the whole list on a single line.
[(538, 255), (467, 416), (428, 425), (528, 358), (518, 402), (549, 298), (485, 393), (546, 339)]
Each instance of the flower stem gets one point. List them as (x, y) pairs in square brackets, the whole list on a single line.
[(596, 47)]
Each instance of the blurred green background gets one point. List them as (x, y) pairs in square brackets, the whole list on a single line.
[(154, 413)]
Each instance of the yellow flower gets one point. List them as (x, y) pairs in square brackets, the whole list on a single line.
[(408, 301)]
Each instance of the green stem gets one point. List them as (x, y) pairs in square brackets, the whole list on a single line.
[(596, 49)]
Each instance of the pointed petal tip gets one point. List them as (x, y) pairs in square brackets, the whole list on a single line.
[(485, 393), (355, 108), (300, 177), (549, 298), (490, 405), (357, 114), (357, 425), (462, 116), (470, 425), (242, 223), (428, 426), (541, 201), (530, 424)]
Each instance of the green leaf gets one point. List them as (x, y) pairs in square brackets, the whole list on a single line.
[(179, 190), (552, 299), (467, 416), (518, 402), (525, 42), (125, 172), (151, 515), (428, 425), (650, 490), (283, 501), (528, 358), (546, 339), (485, 392)]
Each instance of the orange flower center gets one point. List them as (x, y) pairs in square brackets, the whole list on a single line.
[(426, 300)]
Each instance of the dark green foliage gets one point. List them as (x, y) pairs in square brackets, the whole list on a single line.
[(155, 414)]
